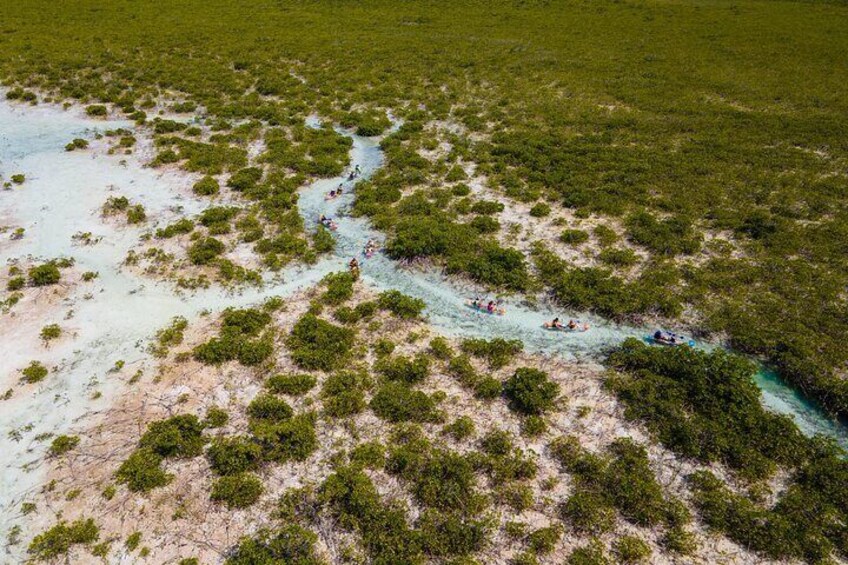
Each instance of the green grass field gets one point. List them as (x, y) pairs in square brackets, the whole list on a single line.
[(678, 119)]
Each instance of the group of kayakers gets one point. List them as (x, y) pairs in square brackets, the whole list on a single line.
[(333, 194), (327, 222), (354, 173), (483, 305), (572, 325), (491, 306)]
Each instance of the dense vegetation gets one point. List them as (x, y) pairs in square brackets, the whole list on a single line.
[(704, 406), (675, 131), (675, 123)]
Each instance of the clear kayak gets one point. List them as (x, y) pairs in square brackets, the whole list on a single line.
[(499, 310), (669, 339), (564, 328)]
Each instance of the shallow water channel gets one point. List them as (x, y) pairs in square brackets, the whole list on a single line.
[(112, 318)]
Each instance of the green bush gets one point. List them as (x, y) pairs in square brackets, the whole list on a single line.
[(293, 385), (485, 224), (807, 522), (460, 429), (370, 455), (132, 541), (57, 541), (245, 179), (704, 406), (182, 226), (142, 471), (487, 207), (574, 237), (319, 345), (218, 215), (618, 257), (397, 402), (440, 348), (444, 481), (268, 408), (530, 391), (96, 110), (540, 210), (339, 287), (291, 543), (596, 289), (178, 436), (504, 462), (588, 512), (15, 283), (630, 550), (517, 496), (544, 540), (233, 455), (292, 439), (671, 236), (400, 305), (115, 204), (237, 491), (63, 444), (449, 534), (323, 240), (487, 388), (679, 540), (622, 480), (18, 178), (216, 417), (497, 352), (44, 275), (136, 214), (161, 126), (385, 533), (342, 394), (204, 250), (207, 186), (533, 426), (77, 143), (238, 325), (410, 371), (591, 554), (34, 372)]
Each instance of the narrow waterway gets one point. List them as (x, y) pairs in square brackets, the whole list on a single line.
[(112, 318)]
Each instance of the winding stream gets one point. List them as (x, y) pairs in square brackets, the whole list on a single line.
[(112, 317)]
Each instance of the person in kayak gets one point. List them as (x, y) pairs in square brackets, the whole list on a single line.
[(357, 171), (572, 325), (491, 306), (556, 323)]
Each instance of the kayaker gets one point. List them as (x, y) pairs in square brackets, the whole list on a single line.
[(491, 306), (572, 325), (556, 323)]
